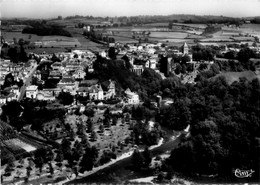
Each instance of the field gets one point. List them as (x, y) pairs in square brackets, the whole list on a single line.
[(227, 36), (124, 35), (252, 29), (234, 76), (85, 43), (169, 35), (8, 36), (53, 44), (159, 24), (71, 22)]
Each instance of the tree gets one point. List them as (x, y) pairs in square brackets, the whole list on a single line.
[(84, 141), (81, 129), (178, 69), (51, 170), (59, 156), (170, 25), (38, 160), (147, 157), (137, 159), (49, 155), (15, 40), (89, 159), (160, 177), (183, 69), (244, 55), (94, 135), (78, 147), (13, 54), (90, 125), (127, 62), (21, 42), (9, 80), (101, 128), (112, 53), (185, 59), (178, 115), (230, 55), (65, 98), (66, 147)]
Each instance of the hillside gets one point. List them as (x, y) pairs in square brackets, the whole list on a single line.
[(234, 76)]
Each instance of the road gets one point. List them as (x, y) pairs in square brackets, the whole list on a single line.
[(26, 83)]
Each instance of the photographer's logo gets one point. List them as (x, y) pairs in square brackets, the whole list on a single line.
[(243, 173)]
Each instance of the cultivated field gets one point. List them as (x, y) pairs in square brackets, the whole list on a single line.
[(8, 36), (169, 35), (60, 41), (252, 29)]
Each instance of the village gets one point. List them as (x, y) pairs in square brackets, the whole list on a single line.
[(95, 116)]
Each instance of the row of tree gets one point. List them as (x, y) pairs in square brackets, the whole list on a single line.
[(42, 29), (98, 36)]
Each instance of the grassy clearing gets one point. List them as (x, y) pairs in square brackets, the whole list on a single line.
[(234, 76)]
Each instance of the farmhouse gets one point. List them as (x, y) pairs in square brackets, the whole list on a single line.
[(79, 74), (45, 95), (94, 92), (68, 84), (31, 91), (132, 98)]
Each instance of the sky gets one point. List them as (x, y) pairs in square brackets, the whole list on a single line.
[(54, 8)]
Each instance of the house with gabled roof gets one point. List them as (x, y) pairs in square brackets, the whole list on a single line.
[(79, 74), (132, 97), (68, 84), (95, 92), (109, 89), (31, 91)]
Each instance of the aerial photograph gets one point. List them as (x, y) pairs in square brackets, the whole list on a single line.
[(130, 92)]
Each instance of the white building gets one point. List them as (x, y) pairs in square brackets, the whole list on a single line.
[(79, 74), (103, 54), (31, 91), (152, 63), (132, 98), (138, 69)]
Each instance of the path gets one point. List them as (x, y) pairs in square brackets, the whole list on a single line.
[(124, 161)]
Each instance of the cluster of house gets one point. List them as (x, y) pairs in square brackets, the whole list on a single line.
[(70, 73), (147, 55), (19, 72)]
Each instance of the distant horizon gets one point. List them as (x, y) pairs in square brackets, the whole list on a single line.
[(125, 16), (49, 9)]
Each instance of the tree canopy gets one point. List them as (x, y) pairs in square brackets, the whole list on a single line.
[(224, 130)]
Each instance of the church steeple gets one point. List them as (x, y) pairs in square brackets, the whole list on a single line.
[(185, 48)]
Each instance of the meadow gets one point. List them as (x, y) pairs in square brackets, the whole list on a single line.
[(234, 76)]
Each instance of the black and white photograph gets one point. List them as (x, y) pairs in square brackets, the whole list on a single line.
[(130, 92)]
